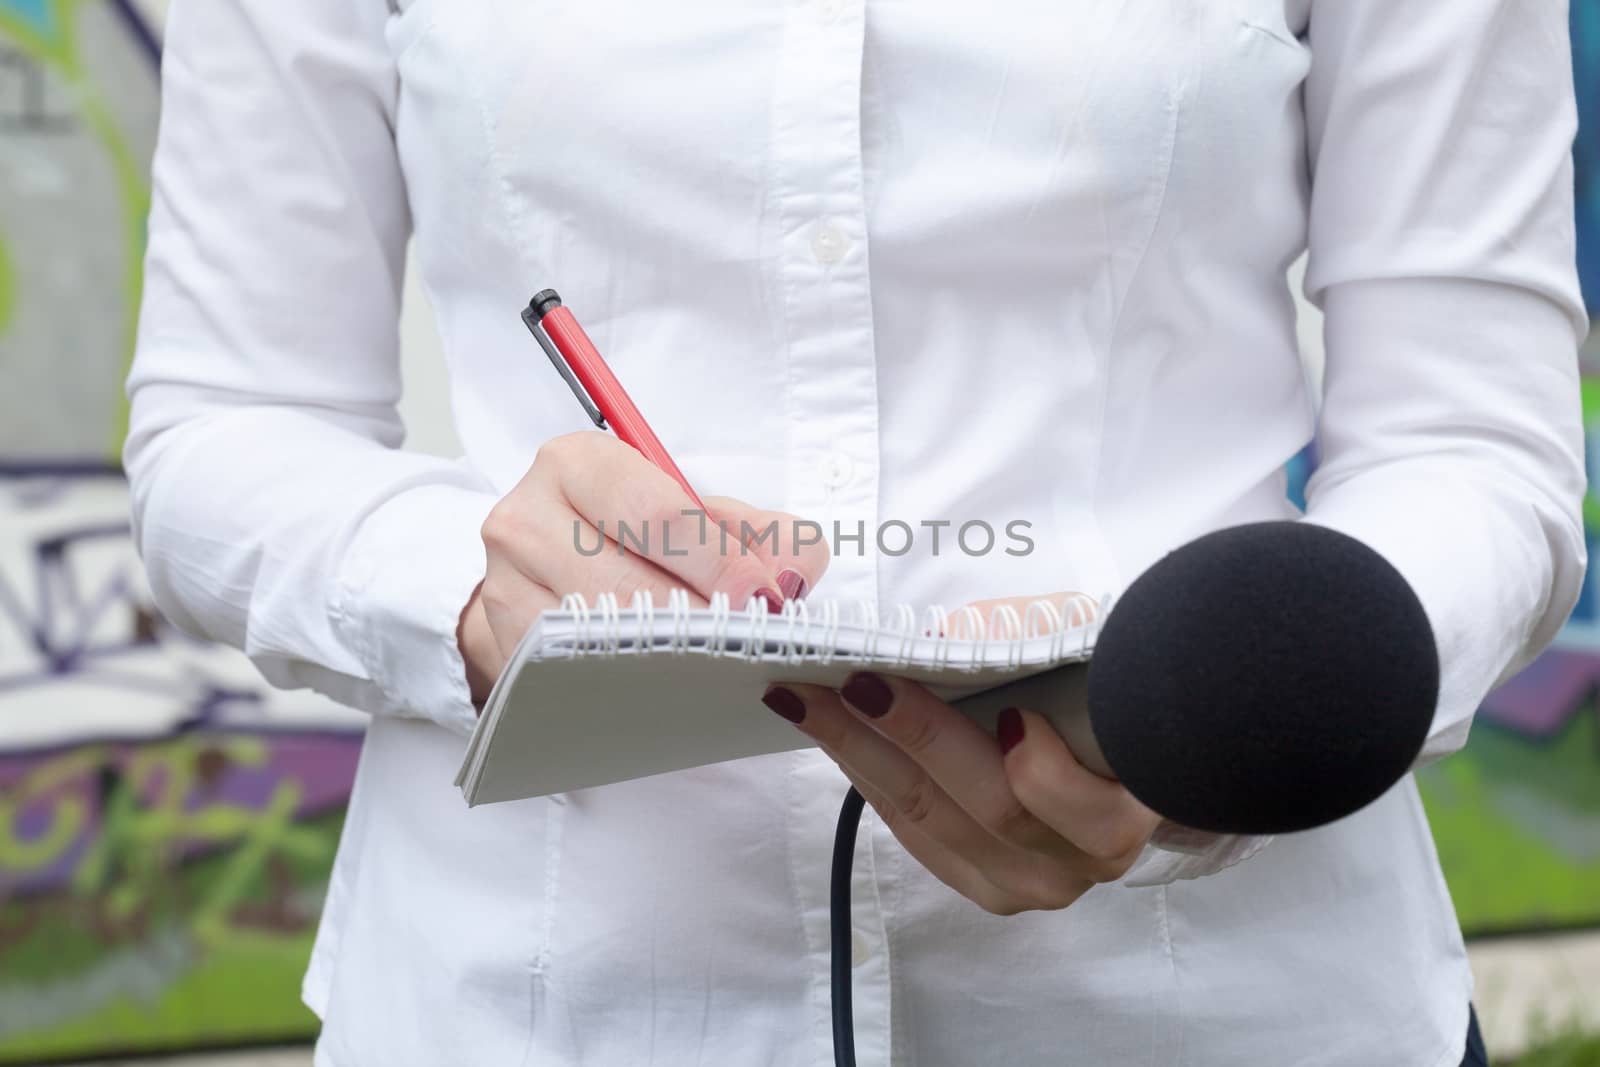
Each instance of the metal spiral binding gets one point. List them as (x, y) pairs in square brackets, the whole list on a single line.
[(830, 632), (610, 622), (757, 613), (678, 605), (717, 643), (811, 631), (644, 612), (869, 626), (1015, 638), (575, 605)]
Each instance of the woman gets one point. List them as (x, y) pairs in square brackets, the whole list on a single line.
[(859, 263)]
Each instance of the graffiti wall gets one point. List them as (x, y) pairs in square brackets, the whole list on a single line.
[(167, 823)]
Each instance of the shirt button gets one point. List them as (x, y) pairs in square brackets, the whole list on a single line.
[(859, 952), (831, 10), (829, 244), (837, 470)]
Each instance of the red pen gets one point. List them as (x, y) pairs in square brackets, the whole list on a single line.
[(597, 389)]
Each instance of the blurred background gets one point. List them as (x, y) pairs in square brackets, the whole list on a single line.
[(168, 823)]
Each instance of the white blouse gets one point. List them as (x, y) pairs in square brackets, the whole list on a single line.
[(863, 262)]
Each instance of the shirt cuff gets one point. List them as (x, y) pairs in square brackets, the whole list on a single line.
[(1176, 853), (406, 575)]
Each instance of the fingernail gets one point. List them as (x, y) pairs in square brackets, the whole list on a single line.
[(792, 584), (868, 694), (785, 703), (1008, 730), (773, 600)]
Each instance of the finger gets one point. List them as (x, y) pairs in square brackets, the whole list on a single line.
[(915, 808), (620, 492), (561, 551), (912, 804), (912, 794), (1096, 814), (939, 861), (511, 602), (786, 541), (952, 750)]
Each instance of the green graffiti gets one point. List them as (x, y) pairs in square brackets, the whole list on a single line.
[(167, 891), (69, 817), (158, 804), (130, 863)]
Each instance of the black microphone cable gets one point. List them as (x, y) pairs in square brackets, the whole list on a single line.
[(844, 852)]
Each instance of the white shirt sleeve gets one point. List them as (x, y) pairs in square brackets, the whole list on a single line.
[(271, 504), (1442, 251)]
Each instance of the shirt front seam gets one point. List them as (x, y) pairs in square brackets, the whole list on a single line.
[(883, 929), (901, 1050), (1164, 914), (792, 876)]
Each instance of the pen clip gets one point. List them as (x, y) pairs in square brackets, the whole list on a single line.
[(530, 319)]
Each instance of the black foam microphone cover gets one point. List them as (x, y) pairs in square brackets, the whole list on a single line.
[(1264, 678)]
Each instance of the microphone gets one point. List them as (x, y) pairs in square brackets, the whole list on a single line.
[(1262, 679)]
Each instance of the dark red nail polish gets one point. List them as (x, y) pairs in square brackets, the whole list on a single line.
[(1008, 730), (868, 694), (785, 703), (792, 584), (772, 599)]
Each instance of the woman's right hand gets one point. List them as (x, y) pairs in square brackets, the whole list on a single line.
[(557, 532)]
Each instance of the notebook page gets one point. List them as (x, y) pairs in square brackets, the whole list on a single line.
[(583, 705)]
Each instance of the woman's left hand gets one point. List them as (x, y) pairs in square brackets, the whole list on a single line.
[(1013, 823)]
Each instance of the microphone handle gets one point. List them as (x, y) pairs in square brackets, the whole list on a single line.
[(1061, 695)]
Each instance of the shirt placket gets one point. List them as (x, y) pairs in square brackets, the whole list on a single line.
[(832, 426)]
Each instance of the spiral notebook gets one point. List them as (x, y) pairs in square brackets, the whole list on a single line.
[(596, 694)]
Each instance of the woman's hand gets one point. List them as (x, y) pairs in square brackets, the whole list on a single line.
[(1013, 823), (560, 531)]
